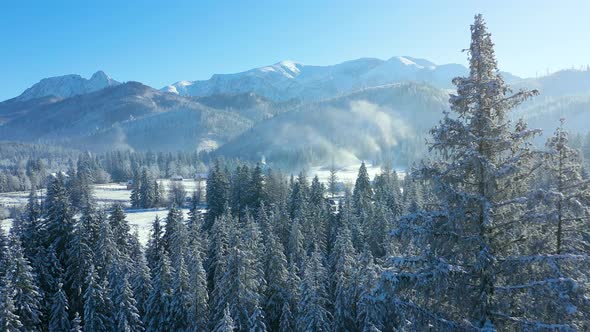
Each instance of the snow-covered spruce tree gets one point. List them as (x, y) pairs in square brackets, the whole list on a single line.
[(299, 196), (362, 194), (58, 313), (226, 324), (559, 236), (412, 195), (333, 180), (4, 254), (79, 183), (457, 258), (175, 236), (76, 324), (155, 246), (370, 311), (217, 261), (240, 192), (80, 256), (126, 315), (257, 190), (275, 272), (313, 312), (139, 277), (289, 312), (387, 190), (565, 197), (295, 249), (9, 320), (158, 304), (147, 190), (387, 207), (180, 313), (120, 229), (199, 311), (342, 262), (59, 218), (217, 194), (316, 227), (32, 230), (98, 310), (242, 281), (135, 192), (105, 251), (27, 297)]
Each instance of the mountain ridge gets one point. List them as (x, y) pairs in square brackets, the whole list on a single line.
[(66, 86)]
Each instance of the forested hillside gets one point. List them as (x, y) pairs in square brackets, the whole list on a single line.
[(488, 233)]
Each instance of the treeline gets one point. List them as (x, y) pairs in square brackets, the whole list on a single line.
[(26, 166)]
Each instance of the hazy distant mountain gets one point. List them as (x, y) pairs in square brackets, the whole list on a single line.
[(287, 113), (562, 83), (368, 124), (287, 79), (563, 94), (129, 115), (248, 104), (67, 86)]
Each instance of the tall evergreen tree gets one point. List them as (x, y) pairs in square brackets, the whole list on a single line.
[(343, 269), (199, 311), (120, 229), (59, 319), (226, 324), (217, 194), (126, 315), (462, 255), (180, 313), (97, 307), (275, 273), (76, 324), (27, 297), (314, 303), (139, 277), (155, 246), (363, 192), (333, 181), (59, 218), (158, 305), (9, 319)]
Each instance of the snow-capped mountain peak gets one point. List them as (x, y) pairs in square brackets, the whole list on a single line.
[(67, 86), (289, 79)]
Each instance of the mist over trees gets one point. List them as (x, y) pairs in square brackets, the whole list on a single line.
[(488, 233)]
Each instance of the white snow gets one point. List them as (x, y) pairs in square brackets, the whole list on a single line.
[(141, 220), (348, 174), (407, 61), (106, 195)]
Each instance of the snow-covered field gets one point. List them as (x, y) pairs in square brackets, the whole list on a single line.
[(106, 195), (347, 174), (141, 220), (5, 224)]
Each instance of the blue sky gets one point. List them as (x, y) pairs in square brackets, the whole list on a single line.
[(160, 42)]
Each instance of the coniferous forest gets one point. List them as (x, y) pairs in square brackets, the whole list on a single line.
[(488, 232)]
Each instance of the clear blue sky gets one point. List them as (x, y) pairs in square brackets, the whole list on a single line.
[(160, 42)]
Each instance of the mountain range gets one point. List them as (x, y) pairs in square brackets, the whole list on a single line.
[(287, 113)]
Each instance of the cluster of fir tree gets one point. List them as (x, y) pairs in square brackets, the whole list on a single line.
[(146, 191), (29, 166), (275, 257), (502, 242)]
